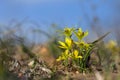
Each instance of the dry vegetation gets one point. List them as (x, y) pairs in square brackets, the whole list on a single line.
[(23, 60)]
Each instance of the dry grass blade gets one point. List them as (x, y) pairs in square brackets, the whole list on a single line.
[(96, 41)]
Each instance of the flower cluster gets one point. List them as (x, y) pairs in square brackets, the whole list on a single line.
[(76, 50)]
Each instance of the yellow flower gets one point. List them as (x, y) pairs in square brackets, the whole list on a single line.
[(67, 44), (82, 44), (111, 44), (68, 31), (75, 53), (86, 45), (59, 58), (65, 55), (80, 34)]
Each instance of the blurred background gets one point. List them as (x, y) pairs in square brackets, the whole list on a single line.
[(97, 16), (34, 23)]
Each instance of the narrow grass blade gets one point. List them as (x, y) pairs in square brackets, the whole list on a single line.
[(96, 41)]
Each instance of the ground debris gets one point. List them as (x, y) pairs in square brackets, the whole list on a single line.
[(29, 69)]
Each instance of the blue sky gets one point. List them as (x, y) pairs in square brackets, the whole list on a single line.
[(43, 11), (67, 12), (61, 12)]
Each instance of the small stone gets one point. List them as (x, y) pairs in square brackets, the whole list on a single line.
[(77, 72), (31, 64)]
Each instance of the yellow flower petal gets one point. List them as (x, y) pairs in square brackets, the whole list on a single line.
[(80, 57), (68, 31), (79, 31), (59, 59), (86, 33), (66, 52), (86, 45), (80, 34), (62, 44), (76, 54), (68, 42)]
